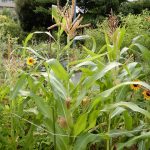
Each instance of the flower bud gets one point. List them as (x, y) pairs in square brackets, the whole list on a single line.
[(62, 122), (85, 101), (68, 102)]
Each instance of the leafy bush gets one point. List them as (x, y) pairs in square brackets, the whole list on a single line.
[(9, 26), (136, 25), (134, 7)]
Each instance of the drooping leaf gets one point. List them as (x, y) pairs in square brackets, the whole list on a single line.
[(109, 91), (128, 105), (134, 140), (84, 139)]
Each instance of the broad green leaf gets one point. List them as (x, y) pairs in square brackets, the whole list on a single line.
[(87, 59), (58, 87), (55, 14), (31, 110), (92, 119), (84, 37), (80, 124), (86, 63), (124, 50), (122, 93), (129, 105), (145, 52), (117, 112), (59, 71), (89, 82), (134, 140), (43, 107), (89, 52), (85, 139), (34, 52), (18, 86), (29, 37), (119, 133), (127, 120), (108, 92), (56, 84), (99, 74)]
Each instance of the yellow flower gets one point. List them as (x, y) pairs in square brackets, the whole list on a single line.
[(146, 94), (30, 61), (135, 86)]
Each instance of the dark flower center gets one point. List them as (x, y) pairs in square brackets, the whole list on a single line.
[(135, 85), (148, 93), (31, 60)]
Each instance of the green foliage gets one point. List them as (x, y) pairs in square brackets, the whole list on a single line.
[(92, 110), (134, 7), (9, 13), (35, 14), (135, 25), (86, 104), (9, 27)]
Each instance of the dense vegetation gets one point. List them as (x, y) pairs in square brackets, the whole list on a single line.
[(78, 87), (36, 14)]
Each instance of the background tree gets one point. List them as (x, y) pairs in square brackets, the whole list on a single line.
[(134, 7), (35, 13)]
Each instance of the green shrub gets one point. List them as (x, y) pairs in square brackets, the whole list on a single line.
[(9, 26), (134, 7), (136, 25)]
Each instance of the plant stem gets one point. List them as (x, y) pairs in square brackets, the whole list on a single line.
[(54, 128), (12, 126), (58, 43), (108, 140), (68, 57)]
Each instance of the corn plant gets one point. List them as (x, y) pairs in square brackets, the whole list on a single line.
[(90, 105), (100, 101)]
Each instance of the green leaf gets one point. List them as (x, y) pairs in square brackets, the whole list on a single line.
[(145, 52), (117, 111), (134, 140), (59, 71), (80, 124), (92, 119), (87, 59), (127, 120), (108, 92), (99, 74), (29, 37), (129, 105), (56, 84), (18, 86), (84, 139), (34, 52), (43, 107), (84, 37)]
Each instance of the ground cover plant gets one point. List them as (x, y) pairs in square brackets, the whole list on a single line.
[(80, 98)]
